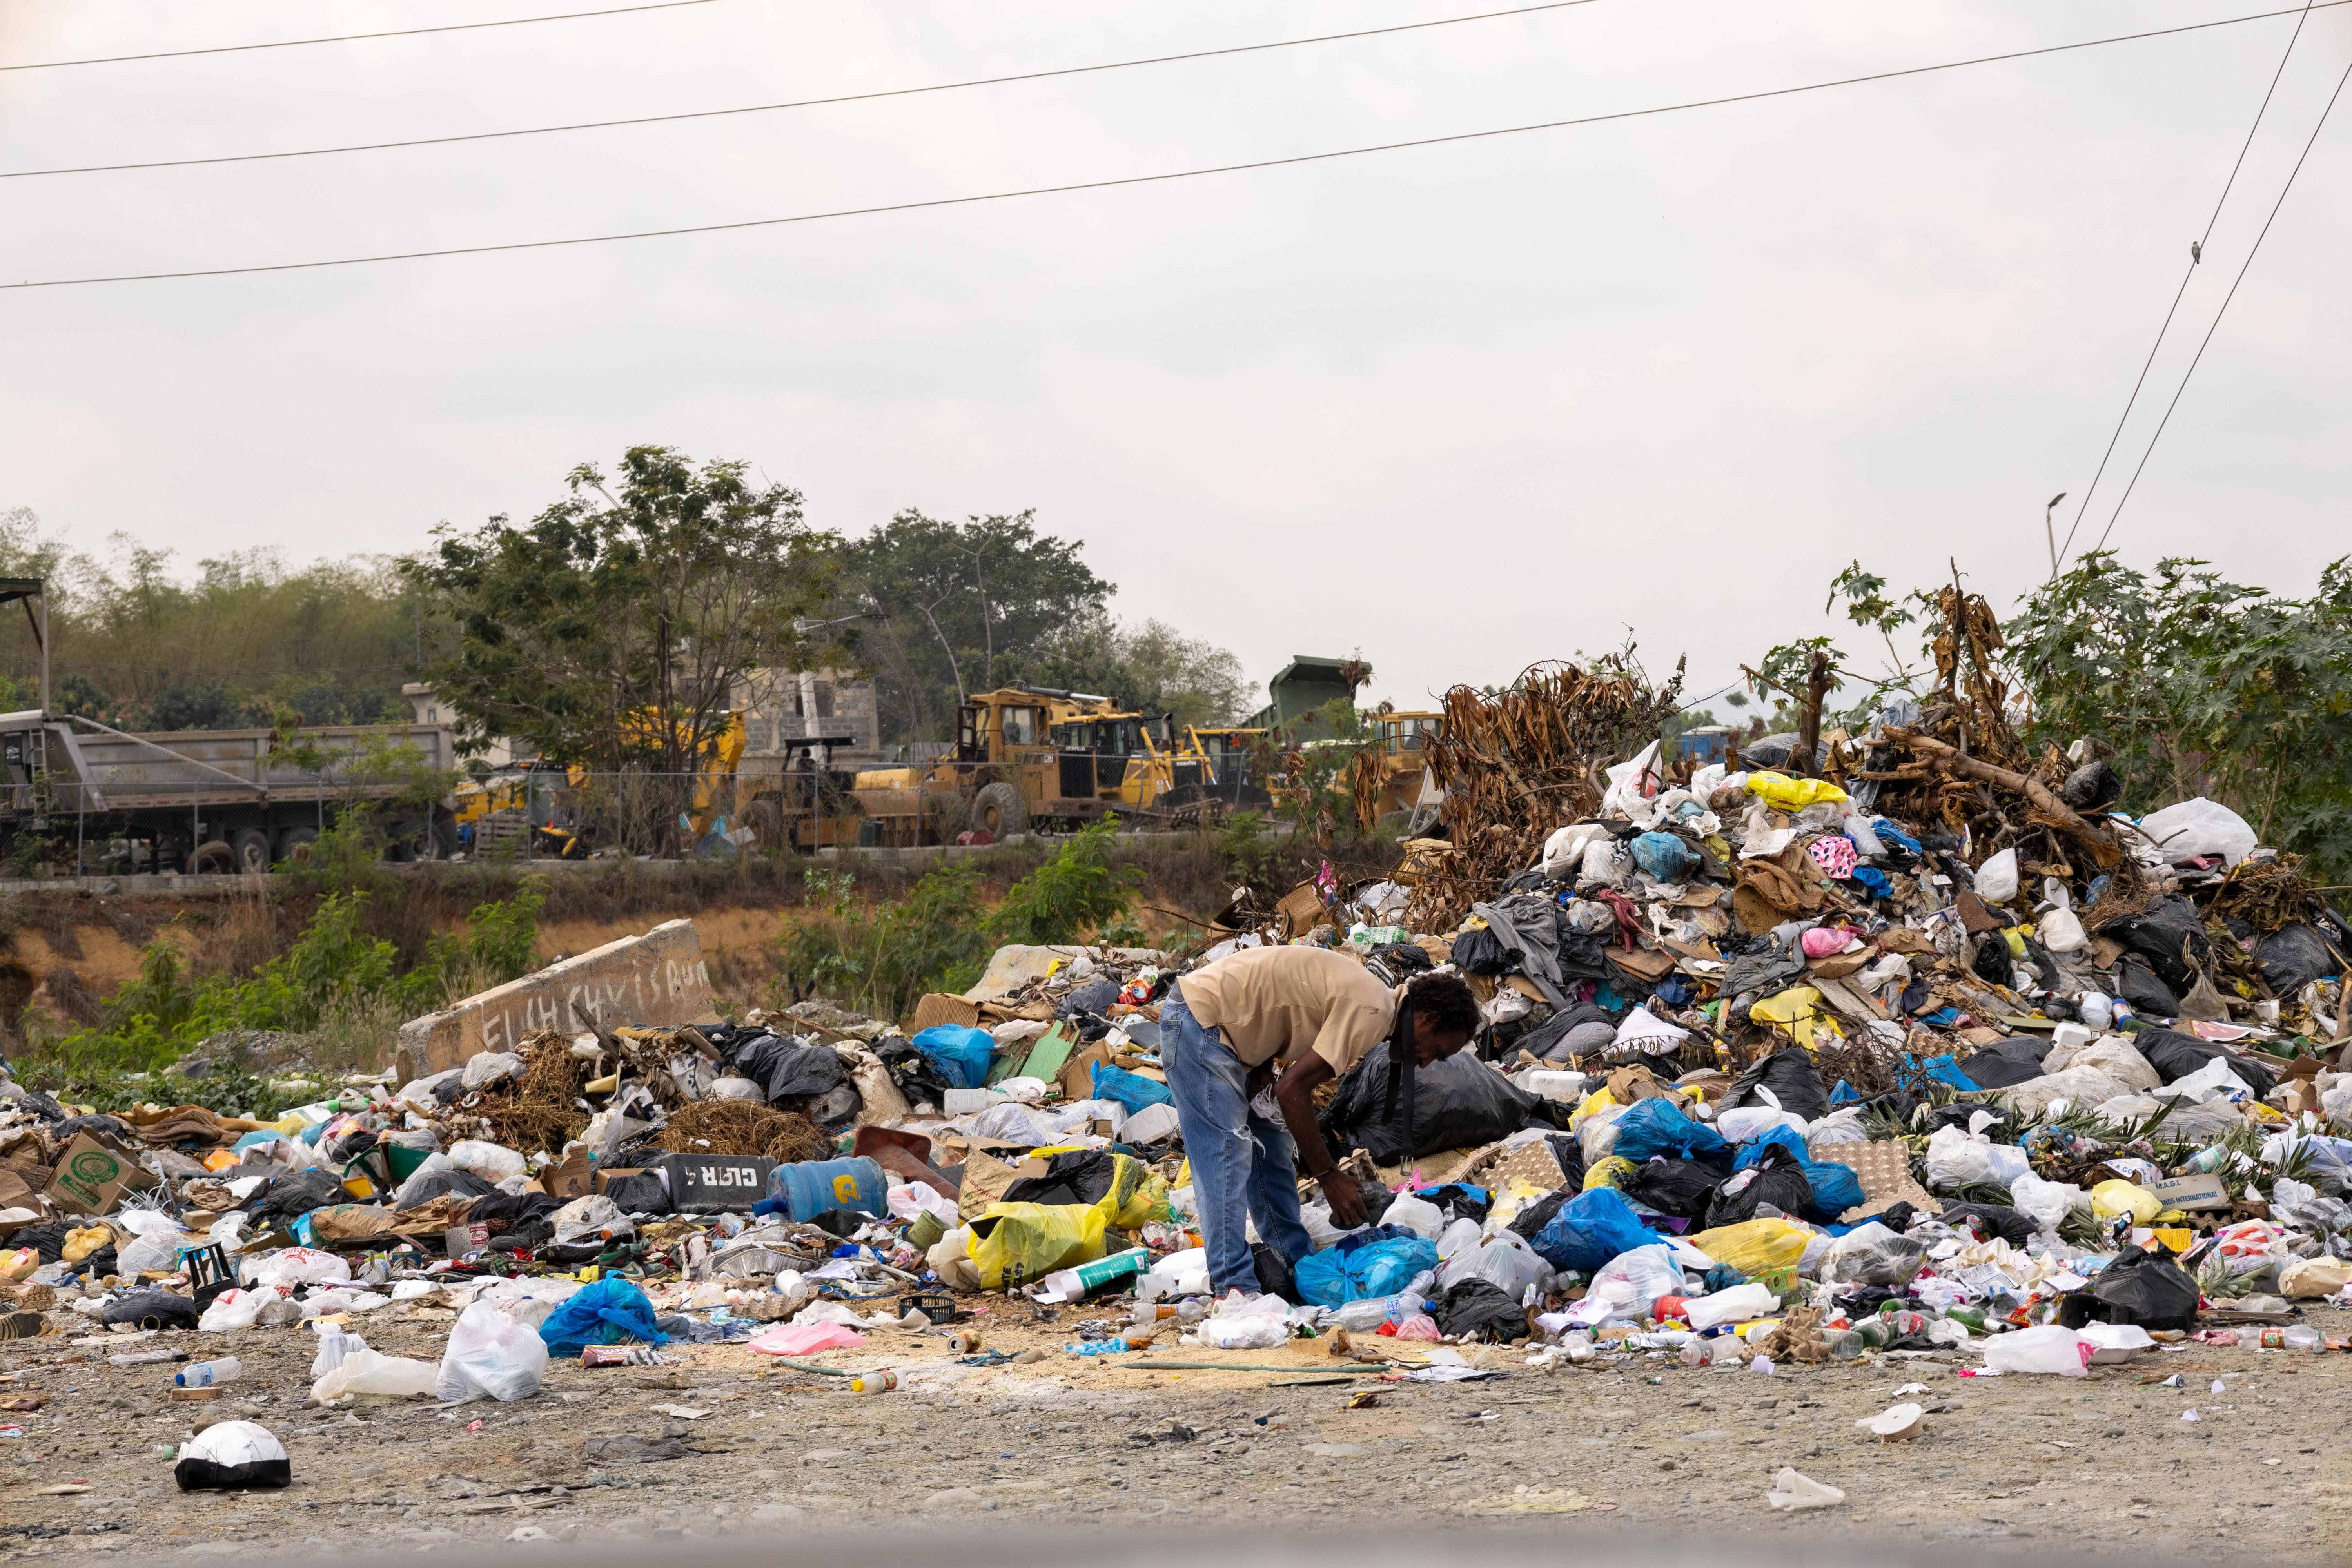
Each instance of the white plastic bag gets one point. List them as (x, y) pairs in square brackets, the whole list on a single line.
[(1794, 1493), (2047, 1203), (1258, 1325), (486, 1068), (366, 1372), (494, 1162), (1564, 850), (2046, 1348), (1633, 1281), (298, 1266), (155, 1250), (490, 1355), (1873, 1255), (1733, 1305), (235, 1309), (335, 1347), (1997, 878), (1419, 1215), (1507, 1263), (1958, 1159), (2060, 930), (2197, 827)]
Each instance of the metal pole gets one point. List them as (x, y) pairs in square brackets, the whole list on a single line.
[(45, 663)]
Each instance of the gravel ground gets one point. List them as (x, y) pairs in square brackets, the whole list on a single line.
[(2106, 1464)]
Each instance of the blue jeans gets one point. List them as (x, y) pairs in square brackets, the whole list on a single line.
[(1245, 1166)]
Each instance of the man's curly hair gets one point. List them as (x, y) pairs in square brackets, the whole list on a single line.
[(1444, 1002)]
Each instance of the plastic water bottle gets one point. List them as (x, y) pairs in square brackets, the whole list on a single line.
[(881, 1382), (204, 1373), (1357, 1316)]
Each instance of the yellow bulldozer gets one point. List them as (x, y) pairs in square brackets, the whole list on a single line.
[(1034, 757)]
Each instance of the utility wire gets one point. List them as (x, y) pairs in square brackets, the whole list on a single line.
[(1166, 177), (2232, 294), (2196, 256), (347, 37), (794, 103)]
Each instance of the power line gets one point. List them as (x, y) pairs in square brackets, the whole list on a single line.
[(2241, 277), (2196, 256), (794, 103), (1163, 178), (347, 37)]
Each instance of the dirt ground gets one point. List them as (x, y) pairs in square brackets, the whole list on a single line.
[(2109, 1463)]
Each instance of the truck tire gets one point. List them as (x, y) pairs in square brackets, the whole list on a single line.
[(251, 848), (1000, 811), (294, 845), (212, 857)]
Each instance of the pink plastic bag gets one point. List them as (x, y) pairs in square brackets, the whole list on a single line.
[(806, 1339), (1420, 1326)]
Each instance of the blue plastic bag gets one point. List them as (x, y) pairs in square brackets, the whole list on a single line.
[(1751, 1154), (1590, 1229), (1653, 1129), (1665, 858), (603, 1313), (1130, 1090), (1835, 1188), (961, 1054), (1369, 1264)]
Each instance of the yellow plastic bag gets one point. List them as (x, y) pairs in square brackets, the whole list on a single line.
[(1614, 1172), (1756, 1247), (1137, 1195), (2111, 1198), (84, 1240), (1797, 1012), (1597, 1100), (1015, 1244), (1791, 794)]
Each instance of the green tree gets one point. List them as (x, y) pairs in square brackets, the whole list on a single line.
[(954, 608), (651, 596), (2197, 685)]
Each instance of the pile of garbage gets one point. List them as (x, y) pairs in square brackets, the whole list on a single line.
[(1813, 1056)]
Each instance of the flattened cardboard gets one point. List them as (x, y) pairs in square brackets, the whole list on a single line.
[(2191, 1193), (939, 1007), (92, 1177)]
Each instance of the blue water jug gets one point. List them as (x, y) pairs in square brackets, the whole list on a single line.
[(812, 1188)]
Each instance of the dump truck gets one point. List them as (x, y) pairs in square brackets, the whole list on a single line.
[(214, 799)]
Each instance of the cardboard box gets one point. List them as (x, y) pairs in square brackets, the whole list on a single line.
[(572, 1179), (701, 1183), (91, 1176), (2191, 1193), (939, 1007)]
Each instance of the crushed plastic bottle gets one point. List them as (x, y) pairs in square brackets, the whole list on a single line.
[(1372, 1312)]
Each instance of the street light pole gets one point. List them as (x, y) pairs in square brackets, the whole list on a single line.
[(2049, 533)]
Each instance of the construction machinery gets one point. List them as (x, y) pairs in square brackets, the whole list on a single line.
[(1389, 778), (1232, 758), (1036, 756)]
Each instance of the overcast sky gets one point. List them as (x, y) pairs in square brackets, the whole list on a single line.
[(1463, 408)]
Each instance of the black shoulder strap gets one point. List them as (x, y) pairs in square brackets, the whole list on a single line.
[(1402, 1065)]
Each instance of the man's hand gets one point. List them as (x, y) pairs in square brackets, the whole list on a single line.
[(1347, 1200)]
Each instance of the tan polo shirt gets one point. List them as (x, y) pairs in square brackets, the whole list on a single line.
[(1279, 1002)]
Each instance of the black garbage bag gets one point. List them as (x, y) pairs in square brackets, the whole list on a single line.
[(1569, 1153), (1531, 1219), (1992, 1220), (2138, 983), (1093, 996), (1476, 1307), (1679, 1187), (452, 1183), (495, 1209), (642, 1192), (1081, 1177), (1792, 1077), (1778, 1178), (2159, 933), (2009, 1063), (785, 1068), (2174, 1056), (913, 1074), (151, 1309), (1458, 1102), (47, 1241), (2292, 958), (288, 1197), (1990, 961), (1545, 1037), (2092, 787), (1481, 952), (2139, 1287), (1275, 1275)]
